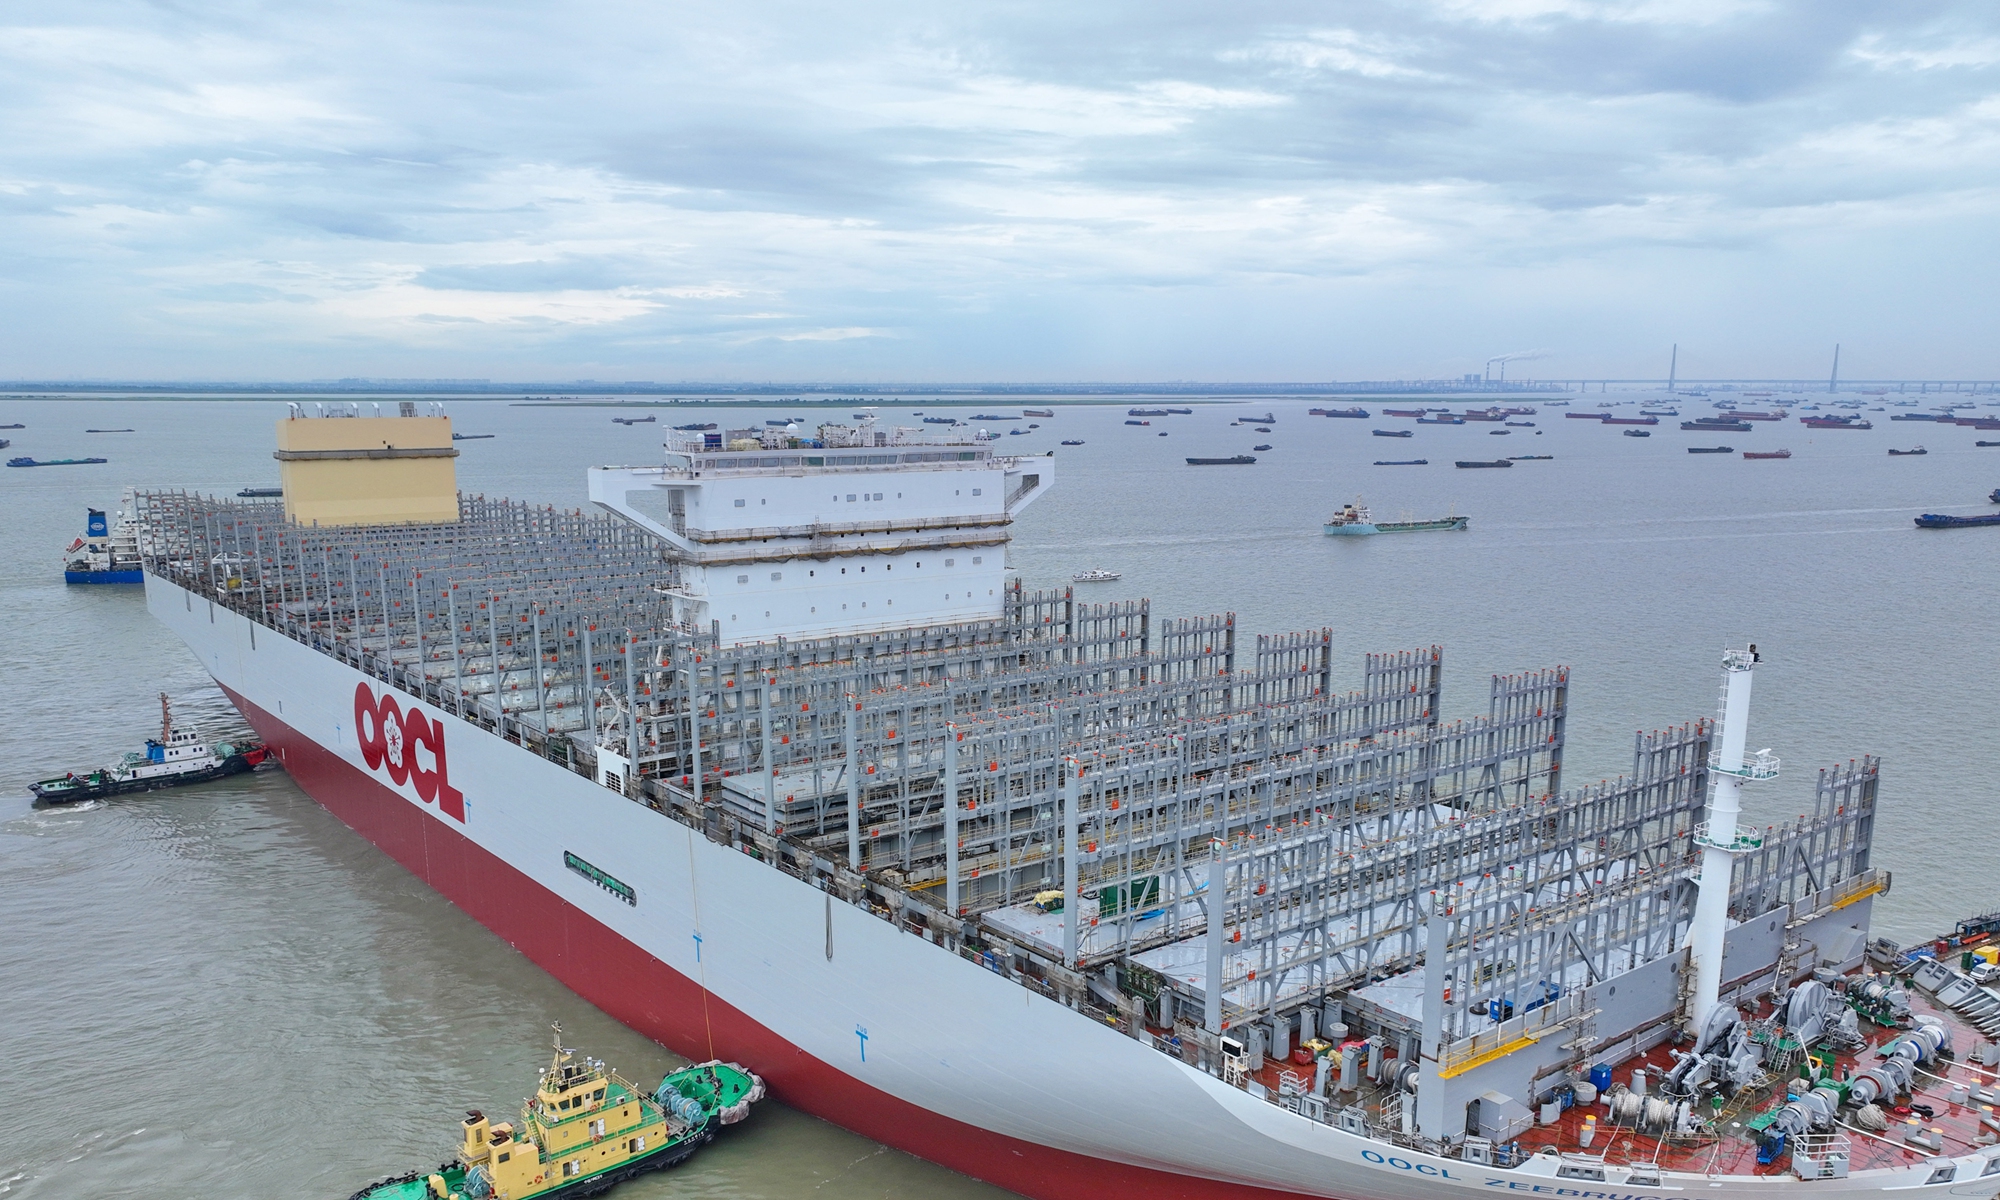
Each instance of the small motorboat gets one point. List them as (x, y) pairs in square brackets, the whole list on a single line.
[(1262, 428), (1074, 442), (1264, 446), (261, 493), (1638, 433), (1498, 432), (1096, 576)]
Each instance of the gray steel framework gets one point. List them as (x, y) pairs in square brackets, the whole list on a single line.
[(1173, 784)]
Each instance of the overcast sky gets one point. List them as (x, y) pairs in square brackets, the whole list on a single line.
[(1026, 191)]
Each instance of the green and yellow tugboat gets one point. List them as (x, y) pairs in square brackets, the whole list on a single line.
[(583, 1131)]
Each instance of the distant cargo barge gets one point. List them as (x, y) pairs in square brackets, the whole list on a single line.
[(1355, 520)]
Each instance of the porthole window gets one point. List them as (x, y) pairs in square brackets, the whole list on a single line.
[(743, 579), (950, 562), (739, 504), (977, 559), (850, 497), (776, 576), (975, 491)]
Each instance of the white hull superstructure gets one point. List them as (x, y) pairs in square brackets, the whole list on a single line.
[(1053, 896)]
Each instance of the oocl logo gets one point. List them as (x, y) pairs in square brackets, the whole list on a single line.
[(392, 739)]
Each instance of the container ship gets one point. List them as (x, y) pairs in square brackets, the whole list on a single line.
[(765, 755)]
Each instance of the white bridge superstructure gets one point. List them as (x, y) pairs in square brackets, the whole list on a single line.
[(857, 529)]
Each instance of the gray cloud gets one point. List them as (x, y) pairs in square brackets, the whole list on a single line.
[(1037, 190)]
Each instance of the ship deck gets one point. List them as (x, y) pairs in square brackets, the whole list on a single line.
[(1730, 1148)]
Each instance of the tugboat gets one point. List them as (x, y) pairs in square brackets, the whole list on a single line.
[(105, 553), (1355, 520), (583, 1131), (178, 757)]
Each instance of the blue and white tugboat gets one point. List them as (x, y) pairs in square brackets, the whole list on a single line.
[(178, 756), (106, 553)]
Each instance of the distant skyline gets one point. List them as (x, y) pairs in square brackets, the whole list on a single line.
[(1024, 193)]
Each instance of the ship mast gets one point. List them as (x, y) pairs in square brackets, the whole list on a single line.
[(1718, 836), (166, 720)]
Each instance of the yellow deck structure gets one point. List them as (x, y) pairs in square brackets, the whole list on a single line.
[(354, 470)]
